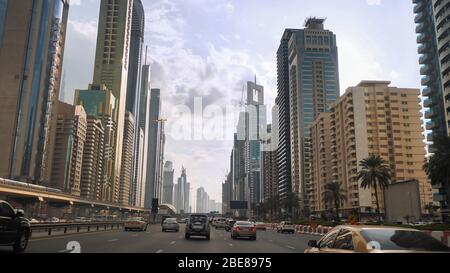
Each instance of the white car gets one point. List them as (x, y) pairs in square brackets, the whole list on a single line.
[(220, 223), (286, 227)]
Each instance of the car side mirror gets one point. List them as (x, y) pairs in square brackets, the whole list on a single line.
[(312, 243), (20, 213)]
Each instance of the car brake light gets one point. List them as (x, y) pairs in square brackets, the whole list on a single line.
[(237, 229), (253, 229)]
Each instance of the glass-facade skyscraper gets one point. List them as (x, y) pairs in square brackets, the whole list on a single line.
[(32, 40), (313, 85)]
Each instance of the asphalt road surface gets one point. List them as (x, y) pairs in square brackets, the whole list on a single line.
[(155, 241)]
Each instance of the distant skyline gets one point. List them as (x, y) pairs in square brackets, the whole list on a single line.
[(212, 48)]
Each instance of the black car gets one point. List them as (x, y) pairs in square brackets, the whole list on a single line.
[(15, 229), (198, 226)]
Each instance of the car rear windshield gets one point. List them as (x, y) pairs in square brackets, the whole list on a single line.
[(288, 223), (391, 239), (170, 220), (198, 218), (244, 224)]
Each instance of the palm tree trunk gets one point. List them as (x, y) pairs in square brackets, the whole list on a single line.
[(337, 211), (378, 204)]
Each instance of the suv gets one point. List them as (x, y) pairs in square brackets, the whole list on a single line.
[(15, 229), (221, 223), (286, 227), (198, 226)]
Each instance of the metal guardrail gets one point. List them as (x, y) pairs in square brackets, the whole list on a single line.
[(79, 227)]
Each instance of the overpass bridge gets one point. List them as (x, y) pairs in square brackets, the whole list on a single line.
[(32, 197)]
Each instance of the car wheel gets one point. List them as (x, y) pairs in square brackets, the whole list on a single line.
[(126, 229), (187, 236), (208, 237), (254, 239), (21, 244)]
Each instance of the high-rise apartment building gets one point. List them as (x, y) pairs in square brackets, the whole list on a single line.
[(32, 40), (137, 190), (433, 27), (126, 173), (321, 157), (92, 174), (372, 119), (201, 197), (168, 183), (111, 69), (153, 180), (313, 85), (99, 103), (70, 137), (269, 174)]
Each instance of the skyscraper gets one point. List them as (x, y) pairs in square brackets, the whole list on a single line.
[(134, 91), (32, 40), (69, 147), (314, 84), (269, 177), (111, 69), (434, 49), (126, 173), (435, 66), (99, 103), (283, 103), (92, 174), (153, 182), (168, 183)]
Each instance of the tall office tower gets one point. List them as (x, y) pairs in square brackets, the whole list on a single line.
[(376, 119), (314, 83), (137, 193), (321, 157), (187, 197), (181, 191), (283, 103), (168, 183), (154, 149), (92, 175), (99, 103), (140, 168), (111, 69), (32, 40), (269, 177), (256, 126), (134, 90), (69, 146), (227, 193), (201, 194), (434, 30), (238, 164), (126, 173), (161, 144)]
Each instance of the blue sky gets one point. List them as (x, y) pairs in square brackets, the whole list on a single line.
[(210, 48)]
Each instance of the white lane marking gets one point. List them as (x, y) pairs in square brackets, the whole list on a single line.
[(180, 237), (135, 235), (230, 244), (271, 241), (224, 239), (173, 242), (291, 247), (160, 251), (113, 240)]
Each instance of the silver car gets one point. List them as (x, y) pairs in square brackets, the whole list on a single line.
[(170, 224)]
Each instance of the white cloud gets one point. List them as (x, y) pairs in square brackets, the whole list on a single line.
[(86, 29), (373, 2), (75, 2)]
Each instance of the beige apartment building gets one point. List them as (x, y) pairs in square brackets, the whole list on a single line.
[(320, 160), (371, 118), (92, 174), (69, 145)]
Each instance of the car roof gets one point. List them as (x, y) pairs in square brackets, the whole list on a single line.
[(368, 227)]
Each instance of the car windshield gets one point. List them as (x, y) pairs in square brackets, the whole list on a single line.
[(170, 220), (136, 219), (198, 218), (391, 239)]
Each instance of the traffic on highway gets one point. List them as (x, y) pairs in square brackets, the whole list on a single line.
[(201, 233)]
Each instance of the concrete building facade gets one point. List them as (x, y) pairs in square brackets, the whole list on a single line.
[(168, 185), (126, 173), (70, 137), (32, 40), (372, 118)]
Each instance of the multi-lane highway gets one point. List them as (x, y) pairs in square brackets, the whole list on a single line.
[(155, 241)]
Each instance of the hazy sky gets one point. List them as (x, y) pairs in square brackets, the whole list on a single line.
[(210, 48)]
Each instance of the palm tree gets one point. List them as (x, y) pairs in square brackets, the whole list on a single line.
[(438, 165), (375, 173), (334, 194)]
